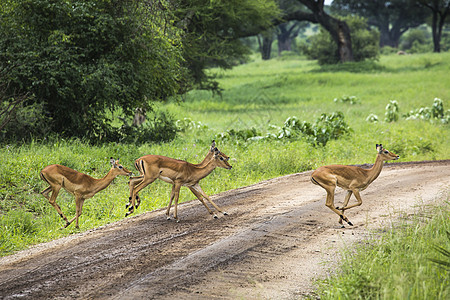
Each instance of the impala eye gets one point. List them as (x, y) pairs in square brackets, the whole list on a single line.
[(386, 152), (221, 158), (120, 167)]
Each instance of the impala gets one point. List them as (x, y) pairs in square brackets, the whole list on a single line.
[(178, 173), (351, 178), (80, 185), (138, 164)]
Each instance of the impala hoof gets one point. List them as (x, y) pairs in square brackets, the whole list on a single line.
[(126, 206), (225, 213), (349, 223), (215, 217)]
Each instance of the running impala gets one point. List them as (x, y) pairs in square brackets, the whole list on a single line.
[(80, 185), (351, 178), (178, 173)]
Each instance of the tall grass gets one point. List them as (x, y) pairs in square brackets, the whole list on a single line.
[(397, 264), (258, 95)]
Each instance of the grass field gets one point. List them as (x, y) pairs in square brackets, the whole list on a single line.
[(258, 97)]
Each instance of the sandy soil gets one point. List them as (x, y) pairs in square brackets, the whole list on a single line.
[(277, 239)]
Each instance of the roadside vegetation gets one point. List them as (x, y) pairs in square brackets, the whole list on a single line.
[(411, 260)]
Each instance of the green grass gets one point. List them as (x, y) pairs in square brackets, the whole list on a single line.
[(397, 264), (259, 95)]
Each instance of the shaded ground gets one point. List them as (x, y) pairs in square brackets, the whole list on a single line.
[(278, 238)]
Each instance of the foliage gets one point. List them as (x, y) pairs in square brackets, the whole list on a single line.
[(187, 124), (414, 37), (364, 43), (83, 60), (25, 122), (326, 128), (396, 264), (347, 99), (372, 118), (212, 32), (391, 17), (445, 262), (160, 128), (391, 114), (435, 112)]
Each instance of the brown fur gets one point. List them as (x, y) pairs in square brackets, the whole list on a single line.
[(178, 173), (82, 186), (351, 178)]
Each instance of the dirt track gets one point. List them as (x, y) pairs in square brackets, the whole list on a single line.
[(278, 238)]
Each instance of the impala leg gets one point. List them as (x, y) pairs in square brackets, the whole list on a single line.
[(132, 183), (52, 199), (200, 197), (199, 189), (344, 205), (330, 204), (172, 194), (358, 198), (78, 210), (142, 184), (176, 195)]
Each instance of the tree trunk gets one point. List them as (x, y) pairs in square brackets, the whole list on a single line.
[(284, 42), (340, 33), (434, 29), (265, 46)]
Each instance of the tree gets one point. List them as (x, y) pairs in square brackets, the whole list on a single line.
[(440, 10), (391, 17), (84, 61), (338, 29), (286, 32), (365, 43), (212, 32)]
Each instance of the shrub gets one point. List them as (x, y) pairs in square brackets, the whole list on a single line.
[(161, 128), (364, 43), (391, 114), (347, 99), (326, 128), (435, 112), (26, 122), (372, 118)]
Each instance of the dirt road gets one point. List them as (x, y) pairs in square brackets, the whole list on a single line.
[(277, 238)]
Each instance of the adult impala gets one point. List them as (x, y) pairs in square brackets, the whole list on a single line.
[(351, 178), (178, 173), (139, 165), (80, 185)]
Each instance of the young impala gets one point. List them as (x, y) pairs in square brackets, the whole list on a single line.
[(178, 173), (351, 178), (80, 185)]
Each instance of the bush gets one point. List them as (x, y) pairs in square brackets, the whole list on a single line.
[(391, 114), (364, 43), (26, 122), (435, 112), (161, 128), (416, 39), (326, 128)]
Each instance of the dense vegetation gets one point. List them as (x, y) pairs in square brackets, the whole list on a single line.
[(262, 100), (409, 261)]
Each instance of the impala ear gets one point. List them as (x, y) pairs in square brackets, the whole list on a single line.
[(213, 145), (112, 161)]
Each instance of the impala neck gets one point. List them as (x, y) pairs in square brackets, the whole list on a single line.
[(376, 169), (101, 184), (204, 169)]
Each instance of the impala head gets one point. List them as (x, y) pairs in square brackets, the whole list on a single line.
[(221, 159), (386, 154), (118, 168)]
